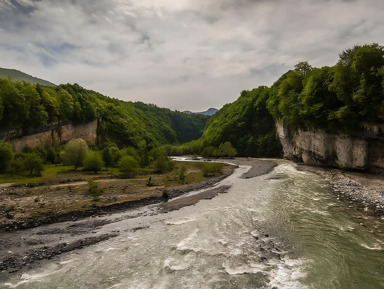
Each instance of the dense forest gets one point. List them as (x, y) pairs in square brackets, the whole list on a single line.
[(339, 99), (246, 124), (23, 104)]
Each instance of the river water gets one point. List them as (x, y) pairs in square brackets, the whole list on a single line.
[(285, 229)]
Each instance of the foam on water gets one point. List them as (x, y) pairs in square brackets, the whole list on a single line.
[(277, 230), (289, 274)]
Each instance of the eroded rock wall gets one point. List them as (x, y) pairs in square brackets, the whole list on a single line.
[(316, 146), (51, 135)]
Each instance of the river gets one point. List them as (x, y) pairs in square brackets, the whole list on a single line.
[(284, 229)]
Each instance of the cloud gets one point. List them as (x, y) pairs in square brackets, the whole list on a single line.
[(181, 54)]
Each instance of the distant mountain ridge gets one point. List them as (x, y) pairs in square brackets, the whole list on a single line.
[(210, 111), (16, 75)]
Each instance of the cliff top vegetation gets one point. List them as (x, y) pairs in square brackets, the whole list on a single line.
[(339, 99), (26, 105)]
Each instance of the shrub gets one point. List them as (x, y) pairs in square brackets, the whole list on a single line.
[(94, 190), (93, 162), (33, 163), (116, 155), (6, 156), (128, 165), (210, 169), (210, 151), (41, 152), (164, 164), (107, 157), (51, 155), (17, 164), (226, 150), (74, 152), (182, 171)]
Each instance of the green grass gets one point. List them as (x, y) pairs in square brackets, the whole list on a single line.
[(197, 173), (50, 171)]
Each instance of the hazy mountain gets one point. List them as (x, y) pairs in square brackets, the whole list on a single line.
[(211, 111), (16, 75)]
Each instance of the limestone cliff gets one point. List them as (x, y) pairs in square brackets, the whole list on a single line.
[(53, 134), (315, 146)]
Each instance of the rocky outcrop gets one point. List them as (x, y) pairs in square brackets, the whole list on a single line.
[(315, 146), (53, 134)]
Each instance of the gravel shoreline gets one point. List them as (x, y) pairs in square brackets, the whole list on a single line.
[(46, 238), (41, 239), (24, 249), (258, 166), (366, 190), (98, 211)]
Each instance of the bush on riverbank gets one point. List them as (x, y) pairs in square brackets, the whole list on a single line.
[(211, 169)]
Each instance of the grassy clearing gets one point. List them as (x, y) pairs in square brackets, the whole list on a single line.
[(51, 172), (84, 190)]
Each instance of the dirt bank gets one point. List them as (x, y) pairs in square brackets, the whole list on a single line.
[(24, 206), (24, 249)]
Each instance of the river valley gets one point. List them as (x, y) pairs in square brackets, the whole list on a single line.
[(284, 229)]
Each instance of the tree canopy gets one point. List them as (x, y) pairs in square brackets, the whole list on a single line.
[(339, 99), (74, 152), (246, 124), (25, 105)]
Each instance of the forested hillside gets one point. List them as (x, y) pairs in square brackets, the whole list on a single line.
[(124, 123), (246, 124), (338, 99)]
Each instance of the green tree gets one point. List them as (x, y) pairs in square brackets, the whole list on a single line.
[(128, 165), (116, 155), (107, 157), (210, 151), (93, 162), (163, 164), (50, 103), (226, 150), (36, 111), (182, 170), (210, 169), (143, 153), (41, 152), (17, 164), (51, 155), (33, 163), (66, 108), (6, 156), (303, 68), (74, 152), (14, 105)]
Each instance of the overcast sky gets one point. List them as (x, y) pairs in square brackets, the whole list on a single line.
[(185, 55)]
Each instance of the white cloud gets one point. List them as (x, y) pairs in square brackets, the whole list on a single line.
[(6, 5), (181, 54)]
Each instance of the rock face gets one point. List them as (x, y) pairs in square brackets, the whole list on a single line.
[(319, 147), (53, 134)]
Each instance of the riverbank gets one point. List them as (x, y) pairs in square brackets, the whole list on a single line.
[(23, 249), (83, 195), (364, 189)]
